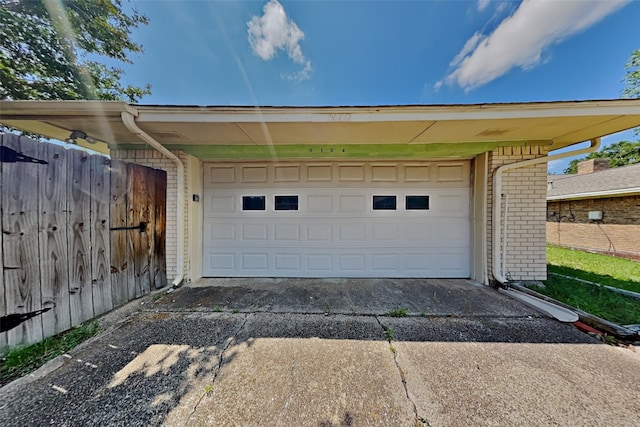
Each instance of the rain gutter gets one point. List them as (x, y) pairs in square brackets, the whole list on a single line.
[(129, 121)]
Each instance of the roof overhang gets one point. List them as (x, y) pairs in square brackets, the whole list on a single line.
[(464, 129), (623, 192)]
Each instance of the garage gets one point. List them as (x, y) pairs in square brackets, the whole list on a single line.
[(337, 219)]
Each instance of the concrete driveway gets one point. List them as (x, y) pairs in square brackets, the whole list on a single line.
[(323, 353)]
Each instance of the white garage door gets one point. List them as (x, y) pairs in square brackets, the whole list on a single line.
[(362, 219)]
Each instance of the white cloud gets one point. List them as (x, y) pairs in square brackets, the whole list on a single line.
[(520, 39), (274, 31), (469, 47), (301, 75), (482, 4)]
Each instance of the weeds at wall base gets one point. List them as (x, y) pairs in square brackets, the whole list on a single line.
[(20, 361)]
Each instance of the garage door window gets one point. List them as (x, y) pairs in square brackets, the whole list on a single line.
[(253, 203), (384, 203), (420, 203), (286, 203)]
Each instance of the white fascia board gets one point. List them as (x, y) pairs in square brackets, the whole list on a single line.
[(35, 108), (598, 194), (168, 114), (382, 114)]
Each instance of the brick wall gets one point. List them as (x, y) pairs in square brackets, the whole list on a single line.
[(527, 189), (615, 210), (618, 233), (154, 159)]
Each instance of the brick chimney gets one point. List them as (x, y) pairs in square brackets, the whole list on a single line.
[(593, 165)]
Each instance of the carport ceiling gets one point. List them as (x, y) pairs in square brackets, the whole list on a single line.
[(554, 123)]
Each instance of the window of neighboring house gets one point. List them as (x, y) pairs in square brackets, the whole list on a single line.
[(384, 203), (286, 203), (420, 203), (254, 203)]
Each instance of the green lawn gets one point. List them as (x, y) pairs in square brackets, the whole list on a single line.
[(603, 269), (593, 299), (20, 361)]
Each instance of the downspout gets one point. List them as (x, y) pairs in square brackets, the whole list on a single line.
[(497, 199), (129, 121)]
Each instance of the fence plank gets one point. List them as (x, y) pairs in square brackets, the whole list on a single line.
[(3, 305), (100, 241), (54, 262), (79, 237), (20, 229), (139, 212), (132, 235), (150, 192), (159, 263), (121, 269)]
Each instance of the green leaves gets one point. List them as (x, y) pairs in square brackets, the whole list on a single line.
[(632, 78), (621, 153), (45, 46)]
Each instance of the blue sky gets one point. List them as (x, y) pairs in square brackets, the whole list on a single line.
[(384, 52)]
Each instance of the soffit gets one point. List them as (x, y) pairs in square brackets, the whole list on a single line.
[(557, 124)]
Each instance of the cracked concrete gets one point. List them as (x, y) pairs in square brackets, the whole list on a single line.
[(389, 334), (208, 388), (474, 357)]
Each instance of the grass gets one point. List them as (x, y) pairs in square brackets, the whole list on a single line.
[(593, 299), (400, 312), (327, 309), (388, 332), (20, 361), (603, 269)]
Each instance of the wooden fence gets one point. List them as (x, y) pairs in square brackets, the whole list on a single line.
[(81, 234)]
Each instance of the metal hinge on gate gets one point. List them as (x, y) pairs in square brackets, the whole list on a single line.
[(141, 228)]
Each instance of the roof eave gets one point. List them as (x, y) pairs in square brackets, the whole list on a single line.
[(633, 191)]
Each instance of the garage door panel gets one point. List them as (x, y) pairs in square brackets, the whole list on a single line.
[(451, 263), (254, 174), (351, 203), (335, 231), (384, 173), (287, 262), (451, 204), (219, 204), (451, 172), (418, 231), (389, 262), (287, 232), (223, 262), (451, 231), (220, 231), (320, 262), (254, 231), (385, 231), (255, 261), (319, 232), (319, 203), (351, 173), (419, 262), (352, 262), (352, 232)]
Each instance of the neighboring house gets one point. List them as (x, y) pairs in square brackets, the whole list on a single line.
[(381, 191), (597, 210)]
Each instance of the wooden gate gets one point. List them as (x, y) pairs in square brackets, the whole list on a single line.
[(81, 234)]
